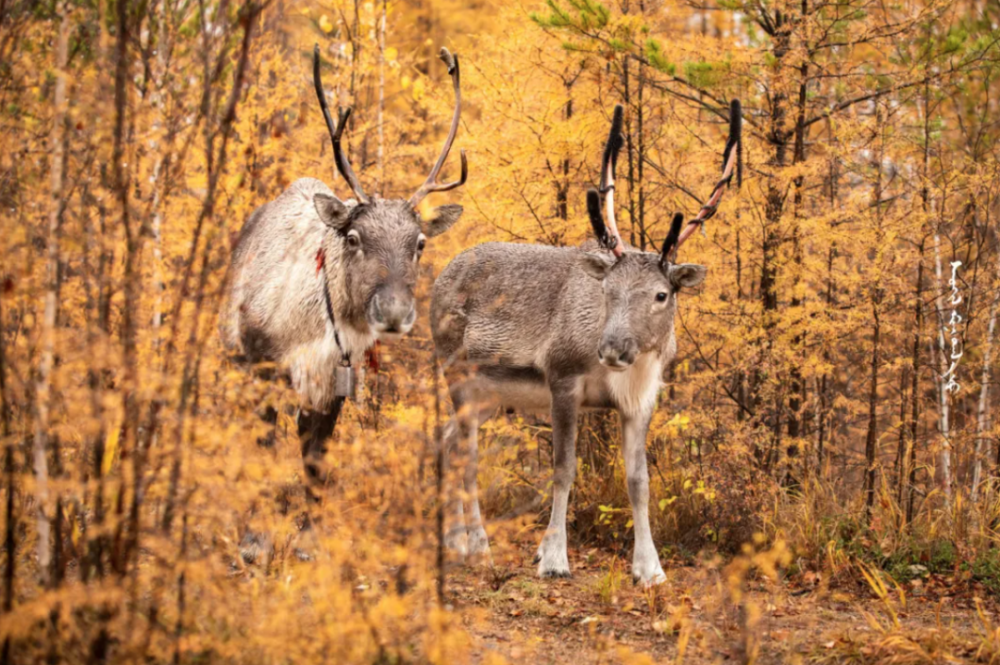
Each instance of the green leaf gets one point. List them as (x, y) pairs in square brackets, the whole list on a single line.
[(703, 74), (654, 53)]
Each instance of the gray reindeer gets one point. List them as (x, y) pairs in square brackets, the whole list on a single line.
[(537, 327), (316, 280)]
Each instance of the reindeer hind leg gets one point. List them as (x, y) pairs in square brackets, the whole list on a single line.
[(469, 419)]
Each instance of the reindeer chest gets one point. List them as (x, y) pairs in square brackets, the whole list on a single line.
[(632, 391)]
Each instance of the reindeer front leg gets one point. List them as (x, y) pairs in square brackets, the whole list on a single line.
[(646, 568), (315, 429), (552, 559), (456, 538), (478, 543)]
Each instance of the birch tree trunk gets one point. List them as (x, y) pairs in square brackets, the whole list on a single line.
[(910, 469), (43, 387), (918, 320), (158, 177), (871, 437), (982, 410), (944, 456)]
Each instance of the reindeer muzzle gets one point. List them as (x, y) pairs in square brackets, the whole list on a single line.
[(617, 353), (392, 313)]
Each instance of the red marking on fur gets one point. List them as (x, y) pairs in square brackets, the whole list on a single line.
[(320, 260), (372, 357)]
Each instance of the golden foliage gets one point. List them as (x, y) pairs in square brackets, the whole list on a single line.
[(805, 424)]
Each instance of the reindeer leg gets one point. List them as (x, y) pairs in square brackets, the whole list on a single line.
[(315, 429), (552, 558), (646, 568), (455, 533), (479, 543)]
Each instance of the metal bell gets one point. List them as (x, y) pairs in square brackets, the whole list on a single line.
[(345, 383)]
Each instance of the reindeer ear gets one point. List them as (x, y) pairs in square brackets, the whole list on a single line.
[(596, 265), (331, 210), (686, 274), (444, 217)]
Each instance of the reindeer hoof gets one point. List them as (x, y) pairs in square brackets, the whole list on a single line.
[(479, 544), (556, 574), (456, 541), (552, 558), (650, 579)]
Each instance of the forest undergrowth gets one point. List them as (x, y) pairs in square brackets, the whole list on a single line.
[(824, 464)]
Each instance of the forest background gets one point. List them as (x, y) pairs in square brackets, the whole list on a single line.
[(827, 425)]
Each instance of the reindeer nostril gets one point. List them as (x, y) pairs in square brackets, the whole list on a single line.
[(392, 311)]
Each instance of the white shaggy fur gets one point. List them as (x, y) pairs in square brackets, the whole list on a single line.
[(635, 389)]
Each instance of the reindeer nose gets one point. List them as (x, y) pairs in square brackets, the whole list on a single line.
[(617, 352), (393, 313)]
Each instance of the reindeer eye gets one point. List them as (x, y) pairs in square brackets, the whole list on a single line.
[(421, 243), (353, 239), (661, 297)]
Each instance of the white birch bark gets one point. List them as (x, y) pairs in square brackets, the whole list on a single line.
[(941, 357), (161, 61), (43, 386), (983, 419)]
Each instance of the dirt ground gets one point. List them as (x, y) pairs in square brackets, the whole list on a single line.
[(599, 616)]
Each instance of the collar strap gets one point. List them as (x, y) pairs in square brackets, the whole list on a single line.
[(345, 358)]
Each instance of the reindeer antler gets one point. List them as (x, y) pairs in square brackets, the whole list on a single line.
[(610, 238), (431, 184), (732, 164), (671, 240), (343, 165), (604, 239)]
